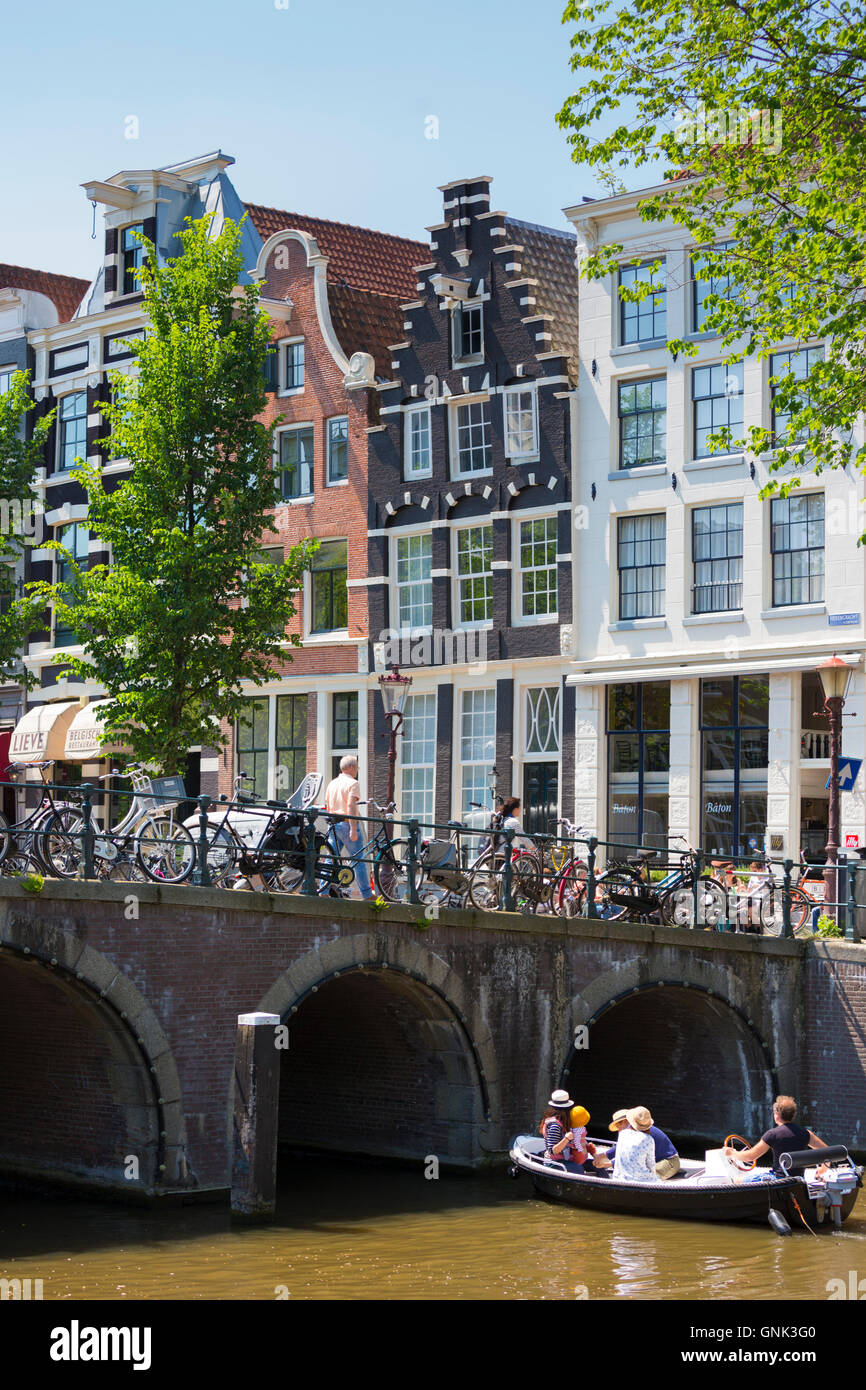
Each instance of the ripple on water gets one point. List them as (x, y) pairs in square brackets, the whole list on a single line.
[(356, 1233)]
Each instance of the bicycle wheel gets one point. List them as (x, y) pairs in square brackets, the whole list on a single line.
[(678, 906), (5, 837), (773, 913), (570, 894), (223, 855), (60, 844), (391, 872), (623, 886), (165, 850), (485, 881)]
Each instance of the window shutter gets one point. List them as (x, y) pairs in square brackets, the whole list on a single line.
[(269, 371)]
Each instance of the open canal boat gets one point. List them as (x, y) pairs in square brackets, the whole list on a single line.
[(715, 1190)]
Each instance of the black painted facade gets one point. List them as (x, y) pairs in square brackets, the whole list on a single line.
[(524, 281)]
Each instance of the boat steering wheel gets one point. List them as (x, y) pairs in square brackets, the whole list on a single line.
[(744, 1165)]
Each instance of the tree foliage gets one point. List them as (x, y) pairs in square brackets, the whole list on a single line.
[(758, 108), (188, 610), (20, 522)]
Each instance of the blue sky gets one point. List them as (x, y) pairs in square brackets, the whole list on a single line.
[(323, 106)]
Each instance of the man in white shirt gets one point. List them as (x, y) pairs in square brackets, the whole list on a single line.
[(341, 800)]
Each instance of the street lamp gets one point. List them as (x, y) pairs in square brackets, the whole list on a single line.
[(835, 677), (491, 784), (394, 688)]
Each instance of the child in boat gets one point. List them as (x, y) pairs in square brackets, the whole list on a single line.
[(562, 1142)]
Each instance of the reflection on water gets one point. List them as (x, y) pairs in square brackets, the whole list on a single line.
[(344, 1231)]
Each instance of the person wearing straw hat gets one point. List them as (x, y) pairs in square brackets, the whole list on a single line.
[(667, 1160), (561, 1144), (635, 1151)]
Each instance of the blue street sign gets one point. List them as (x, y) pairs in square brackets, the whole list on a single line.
[(848, 770), (843, 619)]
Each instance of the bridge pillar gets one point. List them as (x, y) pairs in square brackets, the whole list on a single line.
[(256, 1105)]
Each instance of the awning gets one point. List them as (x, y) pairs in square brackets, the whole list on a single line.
[(83, 735), (41, 732), (745, 666)]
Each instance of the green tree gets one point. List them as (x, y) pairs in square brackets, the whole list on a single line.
[(757, 109), (186, 611), (20, 523)]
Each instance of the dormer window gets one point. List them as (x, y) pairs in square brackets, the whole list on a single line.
[(468, 330), (131, 258)]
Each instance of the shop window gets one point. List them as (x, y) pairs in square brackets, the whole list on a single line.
[(735, 714), (638, 736)]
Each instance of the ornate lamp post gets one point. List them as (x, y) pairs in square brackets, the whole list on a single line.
[(835, 676), (394, 688)]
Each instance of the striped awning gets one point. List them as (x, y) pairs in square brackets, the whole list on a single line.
[(41, 732), (84, 733)]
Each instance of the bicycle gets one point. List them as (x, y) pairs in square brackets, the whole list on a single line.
[(679, 898), (22, 844), (147, 837)]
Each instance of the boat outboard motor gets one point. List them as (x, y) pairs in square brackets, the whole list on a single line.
[(835, 1184)]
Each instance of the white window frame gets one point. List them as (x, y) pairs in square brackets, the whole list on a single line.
[(460, 781), (460, 624), (454, 409), (456, 333), (8, 372), (282, 373), (419, 766), (58, 449), (412, 414), (396, 586), (525, 455), (521, 619), (329, 481), (303, 498)]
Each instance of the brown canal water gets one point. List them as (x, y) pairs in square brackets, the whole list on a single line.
[(350, 1232)]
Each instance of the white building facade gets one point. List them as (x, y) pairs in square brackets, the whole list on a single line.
[(701, 612)]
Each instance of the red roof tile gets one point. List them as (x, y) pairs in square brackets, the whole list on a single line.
[(65, 291), (357, 256)]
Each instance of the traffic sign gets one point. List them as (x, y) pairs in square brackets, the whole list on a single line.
[(848, 770)]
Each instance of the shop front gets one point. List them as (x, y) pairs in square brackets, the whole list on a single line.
[(735, 714), (638, 752)]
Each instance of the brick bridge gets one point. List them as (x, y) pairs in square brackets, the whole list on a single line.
[(405, 1038)]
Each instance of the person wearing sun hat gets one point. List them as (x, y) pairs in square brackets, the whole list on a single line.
[(603, 1162), (667, 1160), (560, 1142), (635, 1151)]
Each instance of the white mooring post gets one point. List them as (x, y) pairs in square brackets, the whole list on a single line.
[(256, 1106)]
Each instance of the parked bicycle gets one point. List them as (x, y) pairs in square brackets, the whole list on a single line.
[(22, 845), (683, 897), (148, 839)]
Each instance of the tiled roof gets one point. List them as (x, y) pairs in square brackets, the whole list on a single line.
[(365, 322), (548, 256), (357, 256), (65, 291)]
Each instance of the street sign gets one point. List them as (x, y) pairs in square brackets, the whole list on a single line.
[(848, 770), (843, 619)]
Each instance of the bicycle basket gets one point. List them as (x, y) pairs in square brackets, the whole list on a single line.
[(168, 789)]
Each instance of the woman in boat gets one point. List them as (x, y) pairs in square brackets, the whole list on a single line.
[(635, 1153), (667, 1160), (561, 1144)]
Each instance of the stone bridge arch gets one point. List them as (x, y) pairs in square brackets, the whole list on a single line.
[(387, 1020), (697, 1026), (87, 1070)]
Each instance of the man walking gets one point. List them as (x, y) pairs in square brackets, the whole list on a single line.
[(341, 801)]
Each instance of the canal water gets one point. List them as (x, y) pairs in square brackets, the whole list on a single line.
[(345, 1231)]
